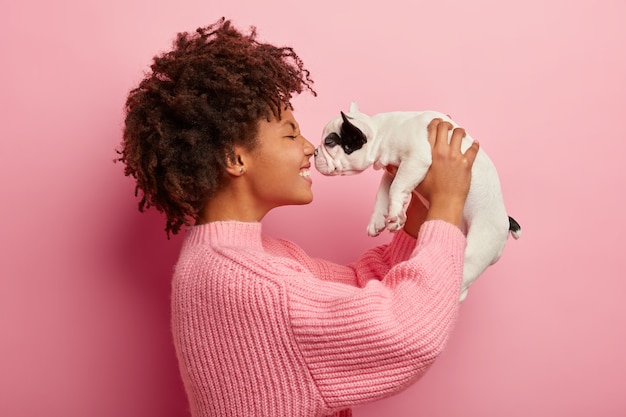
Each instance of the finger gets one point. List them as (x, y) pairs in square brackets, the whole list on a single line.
[(443, 130), (432, 131), (471, 152), (433, 123), (457, 137)]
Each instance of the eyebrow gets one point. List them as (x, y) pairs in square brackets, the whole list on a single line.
[(290, 123)]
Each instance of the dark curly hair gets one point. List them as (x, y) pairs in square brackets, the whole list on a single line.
[(199, 100)]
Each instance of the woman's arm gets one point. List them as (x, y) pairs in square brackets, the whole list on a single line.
[(372, 264), (363, 344)]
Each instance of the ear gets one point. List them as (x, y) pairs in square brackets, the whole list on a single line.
[(352, 138), (235, 165), (353, 107), (346, 118)]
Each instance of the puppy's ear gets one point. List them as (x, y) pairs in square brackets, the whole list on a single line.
[(353, 107), (352, 138)]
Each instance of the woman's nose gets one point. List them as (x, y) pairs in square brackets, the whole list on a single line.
[(309, 149)]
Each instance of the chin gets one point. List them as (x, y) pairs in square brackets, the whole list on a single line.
[(296, 201), (304, 200)]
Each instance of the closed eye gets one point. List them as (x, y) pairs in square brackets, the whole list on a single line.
[(331, 140)]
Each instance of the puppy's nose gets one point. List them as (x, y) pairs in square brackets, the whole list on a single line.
[(315, 152)]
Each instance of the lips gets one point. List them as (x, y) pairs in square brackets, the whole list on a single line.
[(305, 172)]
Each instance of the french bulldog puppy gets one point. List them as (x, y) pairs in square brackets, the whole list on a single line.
[(354, 141)]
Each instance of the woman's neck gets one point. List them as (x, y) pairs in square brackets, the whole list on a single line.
[(231, 204)]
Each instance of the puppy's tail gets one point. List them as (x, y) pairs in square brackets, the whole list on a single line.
[(514, 228)]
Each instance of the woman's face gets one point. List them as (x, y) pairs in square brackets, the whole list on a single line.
[(277, 170)]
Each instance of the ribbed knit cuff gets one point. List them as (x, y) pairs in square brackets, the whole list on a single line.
[(401, 247), (441, 232), (441, 243)]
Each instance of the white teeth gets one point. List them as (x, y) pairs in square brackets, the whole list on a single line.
[(306, 173)]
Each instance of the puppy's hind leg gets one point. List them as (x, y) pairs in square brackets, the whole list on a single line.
[(485, 243)]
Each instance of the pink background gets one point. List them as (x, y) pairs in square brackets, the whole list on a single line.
[(84, 290)]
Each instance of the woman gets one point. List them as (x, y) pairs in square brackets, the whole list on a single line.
[(260, 328)]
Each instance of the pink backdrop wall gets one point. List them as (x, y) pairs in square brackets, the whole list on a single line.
[(84, 278)]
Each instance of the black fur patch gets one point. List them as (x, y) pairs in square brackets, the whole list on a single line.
[(513, 225), (352, 138)]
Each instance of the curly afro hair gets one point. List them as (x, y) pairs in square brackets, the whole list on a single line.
[(199, 100)]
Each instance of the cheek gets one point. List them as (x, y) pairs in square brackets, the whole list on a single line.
[(357, 161), (336, 152)]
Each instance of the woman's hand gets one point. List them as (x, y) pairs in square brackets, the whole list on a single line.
[(447, 181)]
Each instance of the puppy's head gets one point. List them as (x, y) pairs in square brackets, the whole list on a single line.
[(343, 150)]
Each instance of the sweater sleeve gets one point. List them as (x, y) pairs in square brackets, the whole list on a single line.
[(363, 344), (373, 264)]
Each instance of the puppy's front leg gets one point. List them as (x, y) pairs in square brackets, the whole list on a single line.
[(379, 216), (410, 173)]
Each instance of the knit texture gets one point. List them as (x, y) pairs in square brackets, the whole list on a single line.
[(263, 330)]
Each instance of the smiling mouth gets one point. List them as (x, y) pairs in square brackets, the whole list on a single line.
[(305, 173)]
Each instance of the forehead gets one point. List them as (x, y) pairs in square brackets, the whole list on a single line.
[(276, 128), (287, 121)]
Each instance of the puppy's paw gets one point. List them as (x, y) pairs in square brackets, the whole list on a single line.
[(395, 224), (396, 221), (376, 225)]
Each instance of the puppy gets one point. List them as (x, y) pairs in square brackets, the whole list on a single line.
[(355, 141)]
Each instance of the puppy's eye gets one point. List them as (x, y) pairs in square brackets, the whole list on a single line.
[(331, 140)]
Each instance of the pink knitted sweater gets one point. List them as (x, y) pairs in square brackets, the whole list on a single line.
[(263, 330)]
